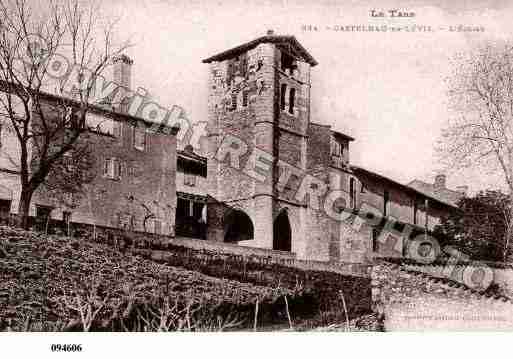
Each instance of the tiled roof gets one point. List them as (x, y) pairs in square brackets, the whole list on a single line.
[(342, 135), (291, 40), (4, 86), (407, 188), (336, 133), (443, 195)]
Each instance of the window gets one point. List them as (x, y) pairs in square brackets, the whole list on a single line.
[(352, 192), (182, 208), (244, 98), (283, 93), (336, 148), (386, 198), (292, 95), (288, 63), (139, 139), (189, 179), (112, 168), (197, 210)]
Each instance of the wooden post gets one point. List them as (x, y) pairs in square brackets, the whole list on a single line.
[(288, 313), (255, 321)]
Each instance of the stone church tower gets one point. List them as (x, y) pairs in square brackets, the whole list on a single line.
[(259, 106)]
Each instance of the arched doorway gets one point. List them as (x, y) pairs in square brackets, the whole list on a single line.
[(238, 227), (282, 234)]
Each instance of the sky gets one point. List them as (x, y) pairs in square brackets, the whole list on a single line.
[(387, 90)]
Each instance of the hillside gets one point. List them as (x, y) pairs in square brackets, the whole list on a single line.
[(56, 283)]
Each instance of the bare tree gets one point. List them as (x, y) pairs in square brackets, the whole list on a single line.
[(480, 132), (32, 36)]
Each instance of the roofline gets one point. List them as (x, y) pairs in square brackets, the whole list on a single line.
[(319, 124), (431, 184), (193, 157), (357, 168), (263, 39), (97, 108), (349, 138)]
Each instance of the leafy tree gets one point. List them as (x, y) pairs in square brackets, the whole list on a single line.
[(479, 133), (479, 228)]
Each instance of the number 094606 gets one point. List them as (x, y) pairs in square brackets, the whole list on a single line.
[(66, 347)]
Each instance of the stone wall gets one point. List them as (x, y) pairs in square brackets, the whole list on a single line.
[(502, 277), (143, 193), (400, 202), (244, 103), (330, 239), (412, 301)]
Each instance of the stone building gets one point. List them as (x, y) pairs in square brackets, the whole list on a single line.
[(261, 132), (134, 170), (260, 93), (270, 177)]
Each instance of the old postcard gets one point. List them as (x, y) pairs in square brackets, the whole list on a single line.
[(255, 166)]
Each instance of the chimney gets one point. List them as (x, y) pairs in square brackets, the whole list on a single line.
[(122, 76), (462, 189), (439, 182), (270, 32)]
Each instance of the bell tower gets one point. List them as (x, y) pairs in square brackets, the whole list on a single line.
[(259, 111)]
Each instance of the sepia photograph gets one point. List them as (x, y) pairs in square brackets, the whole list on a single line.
[(271, 170)]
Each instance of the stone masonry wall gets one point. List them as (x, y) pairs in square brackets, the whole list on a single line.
[(331, 239), (502, 277), (409, 301), (146, 184)]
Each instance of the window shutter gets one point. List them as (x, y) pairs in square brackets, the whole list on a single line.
[(106, 167), (282, 96), (292, 95)]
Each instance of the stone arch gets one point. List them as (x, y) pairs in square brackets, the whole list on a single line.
[(238, 226), (282, 232)]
